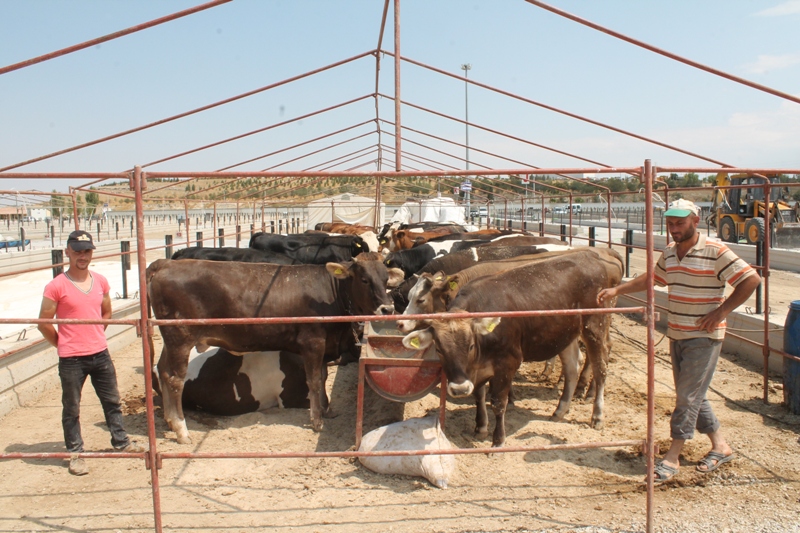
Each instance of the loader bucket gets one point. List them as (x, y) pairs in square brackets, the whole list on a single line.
[(788, 236)]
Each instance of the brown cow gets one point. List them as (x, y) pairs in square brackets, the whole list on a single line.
[(490, 350), (192, 289), (343, 228)]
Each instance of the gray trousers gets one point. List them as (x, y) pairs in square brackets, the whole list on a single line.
[(693, 365)]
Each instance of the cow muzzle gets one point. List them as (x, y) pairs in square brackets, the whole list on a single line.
[(459, 390), (406, 326), (385, 310)]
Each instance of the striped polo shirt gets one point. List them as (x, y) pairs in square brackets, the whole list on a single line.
[(697, 284)]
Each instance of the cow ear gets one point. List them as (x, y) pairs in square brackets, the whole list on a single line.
[(484, 326), (396, 277), (338, 270), (439, 280), (418, 340)]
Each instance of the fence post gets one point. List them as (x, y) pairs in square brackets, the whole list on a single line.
[(221, 232), (125, 248), (272, 226), (58, 257), (252, 230), (541, 228), (199, 239), (564, 232), (592, 235), (168, 243), (628, 250), (759, 262), (238, 235), (52, 236), (280, 225)]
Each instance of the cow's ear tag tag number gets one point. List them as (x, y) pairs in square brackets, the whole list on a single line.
[(338, 271), (414, 342), (491, 326), (453, 285)]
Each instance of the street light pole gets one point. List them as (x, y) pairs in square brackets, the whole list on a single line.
[(466, 68)]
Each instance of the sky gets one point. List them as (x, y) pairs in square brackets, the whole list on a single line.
[(511, 45)]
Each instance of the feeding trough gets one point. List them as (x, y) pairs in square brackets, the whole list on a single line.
[(382, 340), (395, 372)]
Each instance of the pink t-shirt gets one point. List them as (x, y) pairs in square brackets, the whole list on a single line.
[(71, 302)]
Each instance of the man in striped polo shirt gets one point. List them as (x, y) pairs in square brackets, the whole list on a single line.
[(695, 269)]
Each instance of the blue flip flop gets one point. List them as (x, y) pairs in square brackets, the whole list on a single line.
[(713, 460)]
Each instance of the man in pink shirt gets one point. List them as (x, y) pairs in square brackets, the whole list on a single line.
[(82, 348)]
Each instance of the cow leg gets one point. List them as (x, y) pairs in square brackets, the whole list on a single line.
[(549, 365), (596, 337), (570, 361), (481, 413), (313, 362), (585, 388), (171, 374), (501, 385)]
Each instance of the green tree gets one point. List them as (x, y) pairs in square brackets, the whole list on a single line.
[(691, 180)]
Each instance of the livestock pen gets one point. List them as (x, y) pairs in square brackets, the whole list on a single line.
[(310, 473)]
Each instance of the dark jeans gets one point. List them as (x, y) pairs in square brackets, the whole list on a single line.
[(73, 372)]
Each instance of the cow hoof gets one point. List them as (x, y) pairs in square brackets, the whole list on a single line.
[(480, 434), (330, 413), (597, 424), (316, 425), (557, 417), (184, 439)]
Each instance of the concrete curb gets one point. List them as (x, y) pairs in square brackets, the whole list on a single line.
[(26, 375)]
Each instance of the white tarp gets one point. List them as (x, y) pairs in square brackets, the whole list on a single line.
[(430, 210), (347, 208)]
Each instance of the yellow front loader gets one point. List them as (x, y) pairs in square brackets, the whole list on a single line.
[(739, 213)]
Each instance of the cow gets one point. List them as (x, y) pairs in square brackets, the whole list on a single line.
[(478, 351), (191, 289), (314, 249), (247, 255), (343, 228), (413, 260), (365, 232), (455, 262), (386, 235), (221, 383)]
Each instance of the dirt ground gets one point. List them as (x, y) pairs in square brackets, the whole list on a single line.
[(598, 490)]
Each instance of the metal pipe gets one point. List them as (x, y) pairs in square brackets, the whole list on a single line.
[(664, 53), (184, 114), (147, 346), (651, 325), (110, 36), (397, 114)]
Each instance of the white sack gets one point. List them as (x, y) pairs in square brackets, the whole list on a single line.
[(414, 434)]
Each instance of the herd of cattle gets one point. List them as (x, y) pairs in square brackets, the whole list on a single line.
[(341, 269)]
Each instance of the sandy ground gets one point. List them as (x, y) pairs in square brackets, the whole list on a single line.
[(597, 490)]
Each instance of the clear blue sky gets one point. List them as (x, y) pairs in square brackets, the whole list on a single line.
[(512, 45)]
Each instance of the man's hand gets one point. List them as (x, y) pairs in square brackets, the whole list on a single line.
[(710, 322), (606, 295)]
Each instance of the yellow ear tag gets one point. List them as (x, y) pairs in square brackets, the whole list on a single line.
[(338, 271), (358, 245), (414, 342), (438, 278), (491, 326), (453, 285)]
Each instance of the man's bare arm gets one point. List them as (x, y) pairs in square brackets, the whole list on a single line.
[(105, 308), (49, 332)]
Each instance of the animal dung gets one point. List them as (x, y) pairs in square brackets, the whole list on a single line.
[(413, 434)]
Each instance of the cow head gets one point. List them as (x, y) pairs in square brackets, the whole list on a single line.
[(424, 297), (358, 246), (458, 345), (367, 284)]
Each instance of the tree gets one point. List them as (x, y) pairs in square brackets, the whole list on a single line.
[(691, 180)]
